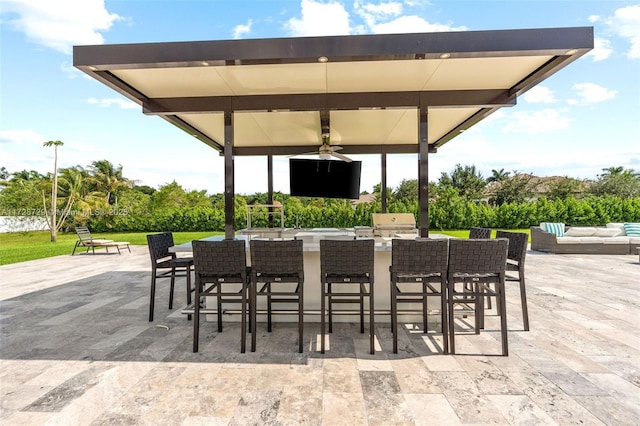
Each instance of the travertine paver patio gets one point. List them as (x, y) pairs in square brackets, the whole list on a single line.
[(76, 348)]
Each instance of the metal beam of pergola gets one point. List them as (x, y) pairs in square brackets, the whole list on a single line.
[(374, 94)]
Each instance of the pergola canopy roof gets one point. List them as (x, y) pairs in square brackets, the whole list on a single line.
[(367, 91)]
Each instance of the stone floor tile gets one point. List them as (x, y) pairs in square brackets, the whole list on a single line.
[(470, 405), (414, 377), (341, 376), (343, 408), (608, 410), (257, 407), (384, 402), (431, 409), (520, 410)]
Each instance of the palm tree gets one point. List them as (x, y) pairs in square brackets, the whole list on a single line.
[(51, 220), (498, 175), (74, 192), (613, 171), (108, 179)]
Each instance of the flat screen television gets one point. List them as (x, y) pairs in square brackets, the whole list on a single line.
[(324, 178)]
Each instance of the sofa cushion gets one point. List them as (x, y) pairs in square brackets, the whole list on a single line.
[(591, 240), (608, 232), (632, 229), (616, 225), (616, 240), (553, 227), (580, 231)]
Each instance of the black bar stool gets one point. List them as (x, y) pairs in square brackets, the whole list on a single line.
[(476, 264), (420, 262), (515, 263), (167, 265), (343, 264), (274, 264), (220, 264)]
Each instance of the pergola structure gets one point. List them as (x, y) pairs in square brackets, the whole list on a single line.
[(373, 94)]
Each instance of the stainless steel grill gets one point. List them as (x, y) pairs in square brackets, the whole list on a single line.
[(391, 225)]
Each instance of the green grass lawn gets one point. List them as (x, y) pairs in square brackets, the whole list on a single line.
[(21, 246)]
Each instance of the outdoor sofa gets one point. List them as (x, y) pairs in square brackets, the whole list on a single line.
[(615, 238)]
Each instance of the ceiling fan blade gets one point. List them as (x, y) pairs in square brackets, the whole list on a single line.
[(303, 153), (336, 148), (342, 157)]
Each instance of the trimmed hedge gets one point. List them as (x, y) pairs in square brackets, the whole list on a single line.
[(448, 211)]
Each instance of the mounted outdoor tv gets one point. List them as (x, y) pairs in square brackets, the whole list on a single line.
[(324, 178)]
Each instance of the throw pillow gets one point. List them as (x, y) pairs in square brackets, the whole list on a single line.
[(607, 232), (554, 228), (580, 231), (632, 229)]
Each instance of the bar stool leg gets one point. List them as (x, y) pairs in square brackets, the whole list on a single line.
[(300, 317), (188, 288), (371, 321), (322, 318), (394, 317), (173, 282), (243, 320), (330, 306), (253, 299), (503, 317), (219, 289), (152, 297), (443, 315), (268, 307), (362, 290), (523, 301)]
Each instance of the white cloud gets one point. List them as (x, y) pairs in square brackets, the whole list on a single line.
[(242, 29), (320, 19), (412, 24), (21, 137), (601, 49), (546, 120), (107, 102), (540, 94), (60, 24), (372, 13), (590, 93), (626, 24)]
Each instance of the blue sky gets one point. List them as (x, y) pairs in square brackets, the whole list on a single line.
[(579, 121)]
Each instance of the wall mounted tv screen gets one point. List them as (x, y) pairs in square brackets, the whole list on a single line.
[(324, 178)]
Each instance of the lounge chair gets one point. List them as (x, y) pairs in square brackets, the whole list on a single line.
[(86, 240)]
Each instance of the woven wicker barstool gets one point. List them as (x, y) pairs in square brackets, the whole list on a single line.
[(515, 263), (476, 265), (344, 264), (167, 265), (275, 266), (419, 263), (220, 264)]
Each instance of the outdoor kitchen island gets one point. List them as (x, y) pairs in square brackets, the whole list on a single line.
[(311, 246)]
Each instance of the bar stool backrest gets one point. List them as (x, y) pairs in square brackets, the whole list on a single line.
[(477, 256), (420, 256), (226, 258), (347, 257), (277, 257), (476, 233), (159, 246), (517, 245)]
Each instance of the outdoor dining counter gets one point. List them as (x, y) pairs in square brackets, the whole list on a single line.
[(311, 247)]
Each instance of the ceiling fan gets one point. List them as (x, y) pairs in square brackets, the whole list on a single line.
[(326, 151)]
